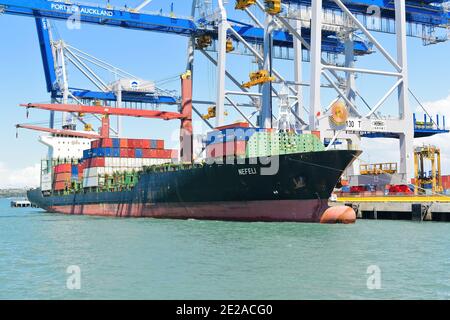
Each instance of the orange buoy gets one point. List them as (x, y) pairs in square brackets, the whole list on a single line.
[(338, 214)]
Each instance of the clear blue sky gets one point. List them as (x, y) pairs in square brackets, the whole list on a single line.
[(156, 56)]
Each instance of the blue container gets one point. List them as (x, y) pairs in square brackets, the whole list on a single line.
[(233, 134), (138, 153), (98, 152), (116, 143), (87, 154), (345, 189), (116, 152), (74, 170), (214, 137), (153, 144), (108, 152)]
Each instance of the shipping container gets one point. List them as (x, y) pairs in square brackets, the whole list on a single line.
[(63, 168), (46, 182), (159, 144), (138, 153), (61, 185), (146, 144), (232, 148), (123, 143), (108, 152), (87, 154), (116, 143), (130, 153), (89, 182), (123, 152), (95, 144), (106, 143), (74, 170), (62, 176), (116, 152), (132, 143), (95, 162), (234, 125), (232, 134)]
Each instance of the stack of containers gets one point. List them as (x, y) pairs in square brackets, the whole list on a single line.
[(229, 141), (113, 155), (62, 177), (270, 142)]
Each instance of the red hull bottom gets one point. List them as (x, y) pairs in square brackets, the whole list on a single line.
[(272, 210)]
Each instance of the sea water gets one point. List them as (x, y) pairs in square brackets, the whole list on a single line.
[(52, 256)]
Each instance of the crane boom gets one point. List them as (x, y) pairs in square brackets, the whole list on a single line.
[(106, 110), (70, 133)]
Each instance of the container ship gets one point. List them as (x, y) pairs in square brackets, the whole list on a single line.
[(137, 178), (245, 174)]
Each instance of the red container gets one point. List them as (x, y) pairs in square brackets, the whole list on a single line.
[(130, 153), (140, 143), (146, 153), (95, 144), (98, 162), (240, 148), (234, 125), (123, 143), (94, 162), (231, 148), (166, 154), (130, 143), (123, 152), (145, 144), (63, 168), (160, 144), (106, 143), (152, 153)]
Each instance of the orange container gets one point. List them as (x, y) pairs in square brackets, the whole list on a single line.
[(123, 143), (60, 185), (65, 176)]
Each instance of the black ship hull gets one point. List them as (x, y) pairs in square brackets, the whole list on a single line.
[(293, 187)]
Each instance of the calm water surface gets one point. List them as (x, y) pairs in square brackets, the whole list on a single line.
[(169, 259)]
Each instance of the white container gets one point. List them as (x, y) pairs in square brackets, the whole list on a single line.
[(46, 182), (89, 182)]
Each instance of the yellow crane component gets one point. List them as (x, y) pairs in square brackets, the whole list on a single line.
[(203, 42), (433, 154), (88, 127), (186, 75), (212, 113), (243, 4), (273, 6), (258, 77), (230, 47), (378, 168), (97, 103)]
